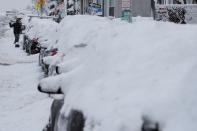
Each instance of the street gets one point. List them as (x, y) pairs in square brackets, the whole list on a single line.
[(22, 108)]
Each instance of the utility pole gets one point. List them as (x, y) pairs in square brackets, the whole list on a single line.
[(107, 8)]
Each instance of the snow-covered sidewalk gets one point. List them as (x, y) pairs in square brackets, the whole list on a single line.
[(22, 107)]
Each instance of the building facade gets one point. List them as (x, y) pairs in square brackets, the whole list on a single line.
[(137, 7), (107, 8), (176, 1), (115, 7)]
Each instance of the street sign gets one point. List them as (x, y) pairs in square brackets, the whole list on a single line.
[(95, 8), (126, 4)]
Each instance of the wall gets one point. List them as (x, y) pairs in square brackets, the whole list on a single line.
[(141, 8)]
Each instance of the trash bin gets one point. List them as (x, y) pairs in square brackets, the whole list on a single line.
[(126, 15)]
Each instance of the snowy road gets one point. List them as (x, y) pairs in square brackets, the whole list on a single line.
[(22, 107)]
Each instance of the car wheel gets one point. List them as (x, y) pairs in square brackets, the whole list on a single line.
[(57, 69), (26, 46), (46, 69), (55, 113), (24, 42), (40, 59), (76, 121)]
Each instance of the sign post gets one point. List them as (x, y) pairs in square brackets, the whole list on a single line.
[(96, 8)]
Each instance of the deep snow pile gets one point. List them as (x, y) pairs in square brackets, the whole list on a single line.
[(127, 71)]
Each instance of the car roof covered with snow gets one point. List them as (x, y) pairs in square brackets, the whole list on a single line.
[(44, 29)]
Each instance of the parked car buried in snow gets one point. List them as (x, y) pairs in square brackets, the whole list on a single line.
[(46, 53), (38, 34), (120, 81), (31, 46), (75, 121), (53, 62)]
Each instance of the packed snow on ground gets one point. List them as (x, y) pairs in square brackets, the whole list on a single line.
[(22, 107), (127, 71)]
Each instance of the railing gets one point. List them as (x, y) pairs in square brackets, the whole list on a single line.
[(176, 13)]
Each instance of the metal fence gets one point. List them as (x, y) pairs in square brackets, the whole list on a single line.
[(176, 13)]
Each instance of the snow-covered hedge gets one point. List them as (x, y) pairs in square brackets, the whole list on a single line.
[(127, 71)]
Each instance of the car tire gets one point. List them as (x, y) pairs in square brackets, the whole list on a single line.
[(76, 121), (57, 70), (26, 46), (24, 41), (55, 114), (46, 69), (40, 59)]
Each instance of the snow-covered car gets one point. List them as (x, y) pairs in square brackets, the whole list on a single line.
[(128, 77), (38, 34), (54, 62), (76, 118), (31, 46), (46, 53)]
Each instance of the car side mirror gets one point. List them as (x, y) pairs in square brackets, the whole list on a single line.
[(56, 91), (50, 85)]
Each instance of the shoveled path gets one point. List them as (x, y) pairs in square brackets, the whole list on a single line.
[(22, 107)]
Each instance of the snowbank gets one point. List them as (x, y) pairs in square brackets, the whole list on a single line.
[(129, 70)]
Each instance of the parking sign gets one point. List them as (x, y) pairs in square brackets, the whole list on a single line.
[(126, 4)]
